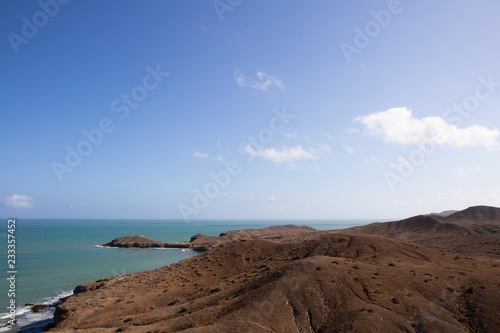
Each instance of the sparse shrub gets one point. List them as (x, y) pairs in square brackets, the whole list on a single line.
[(344, 239), (392, 265), (128, 320)]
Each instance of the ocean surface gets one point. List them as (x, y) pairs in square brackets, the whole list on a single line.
[(54, 256)]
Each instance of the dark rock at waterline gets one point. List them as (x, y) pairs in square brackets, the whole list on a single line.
[(39, 307)]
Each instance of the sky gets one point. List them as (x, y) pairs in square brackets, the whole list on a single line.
[(238, 109)]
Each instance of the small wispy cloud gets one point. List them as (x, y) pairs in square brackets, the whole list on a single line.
[(351, 150), (264, 81), (199, 154), (271, 198), (296, 135), (240, 78), (397, 125), (220, 158), (352, 130), (288, 154), (16, 200), (376, 161)]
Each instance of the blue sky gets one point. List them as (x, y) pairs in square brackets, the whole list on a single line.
[(248, 109)]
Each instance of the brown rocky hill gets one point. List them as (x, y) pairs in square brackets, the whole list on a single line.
[(473, 220), (321, 282), (476, 215), (473, 231)]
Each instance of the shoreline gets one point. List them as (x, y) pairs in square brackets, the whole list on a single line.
[(36, 315)]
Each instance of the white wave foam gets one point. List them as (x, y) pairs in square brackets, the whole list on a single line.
[(19, 311), (26, 317)]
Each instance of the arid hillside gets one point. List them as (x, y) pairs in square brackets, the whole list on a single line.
[(316, 282), (474, 231)]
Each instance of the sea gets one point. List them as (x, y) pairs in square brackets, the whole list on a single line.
[(53, 256)]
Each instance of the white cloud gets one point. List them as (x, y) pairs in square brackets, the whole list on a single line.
[(264, 81), (240, 78), (352, 130), (296, 135), (351, 150), (16, 200), (220, 158), (376, 161), (271, 198), (397, 125), (286, 154), (199, 154)]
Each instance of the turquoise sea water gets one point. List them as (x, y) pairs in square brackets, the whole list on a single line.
[(54, 256)]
